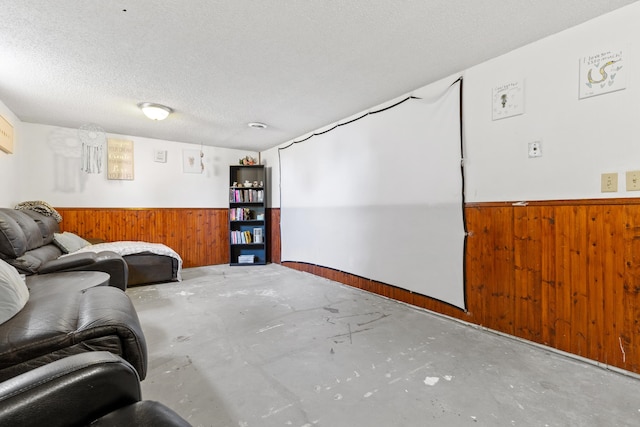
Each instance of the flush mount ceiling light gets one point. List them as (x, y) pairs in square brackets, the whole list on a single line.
[(155, 111), (257, 125)]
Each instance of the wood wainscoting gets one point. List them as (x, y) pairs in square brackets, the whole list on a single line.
[(565, 274), (199, 235)]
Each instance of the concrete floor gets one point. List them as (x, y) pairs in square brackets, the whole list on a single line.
[(270, 346)]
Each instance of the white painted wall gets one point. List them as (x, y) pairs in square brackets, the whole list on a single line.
[(54, 173), (580, 138)]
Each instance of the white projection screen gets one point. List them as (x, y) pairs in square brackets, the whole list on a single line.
[(382, 198)]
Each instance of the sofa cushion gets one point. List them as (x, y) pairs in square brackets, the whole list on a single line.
[(30, 262), (13, 292), (69, 242), (47, 224), (13, 242), (28, 226)]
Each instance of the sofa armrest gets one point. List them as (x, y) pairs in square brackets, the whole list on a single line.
[(70, 391), (105, 261), (67, 262), (55, 325)]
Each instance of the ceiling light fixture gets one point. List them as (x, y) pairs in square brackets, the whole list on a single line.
[(257, 125), (155, 111)]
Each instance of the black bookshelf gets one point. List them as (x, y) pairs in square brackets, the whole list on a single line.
[(247, 215)]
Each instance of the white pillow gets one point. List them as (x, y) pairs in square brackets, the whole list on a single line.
[(13, 292), (69, 242)]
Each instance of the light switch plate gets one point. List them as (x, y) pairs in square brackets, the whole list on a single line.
[(609, 182), (633, 180)]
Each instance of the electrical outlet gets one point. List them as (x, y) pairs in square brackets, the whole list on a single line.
[(535, 149), (633, 180), (608, 182)]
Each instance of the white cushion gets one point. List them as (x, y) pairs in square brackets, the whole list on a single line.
[(69, 242), (13, 292)]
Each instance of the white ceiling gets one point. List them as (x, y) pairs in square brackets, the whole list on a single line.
[(295, 65)]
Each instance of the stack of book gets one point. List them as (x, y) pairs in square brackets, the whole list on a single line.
[(238, 195), (241, 237), (246, 259), (240, 214)]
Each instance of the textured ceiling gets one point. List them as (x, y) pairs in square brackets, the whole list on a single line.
[(295, 65)]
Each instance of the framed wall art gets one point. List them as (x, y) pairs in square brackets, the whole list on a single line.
[(507, 100), (6, 136), (192, 161), (119, 159), (160, 156), (602, 72)]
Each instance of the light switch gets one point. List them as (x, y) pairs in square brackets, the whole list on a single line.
[(633, 181), (609, 182)]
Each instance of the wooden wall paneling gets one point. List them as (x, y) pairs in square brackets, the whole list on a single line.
[(273, 231), (629, 336), (199, 235), (579, 281), (614, 245), (596, 219), (479, 268), (503, 288), (562, 321), (527, 272), (548, 301)]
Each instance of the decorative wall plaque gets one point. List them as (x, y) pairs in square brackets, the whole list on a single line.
[(119, 159), (508, 100), (6, 136), (602, 72)]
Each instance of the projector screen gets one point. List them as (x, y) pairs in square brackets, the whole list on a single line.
[(382, 198)]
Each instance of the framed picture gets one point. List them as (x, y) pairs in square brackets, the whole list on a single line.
[(192, 161), (602, 72), (507, 100), (119, 159), (160, 156), (6, 136), (257, 235)]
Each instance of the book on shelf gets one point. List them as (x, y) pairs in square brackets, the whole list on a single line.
[(237, 195), (241, 237)]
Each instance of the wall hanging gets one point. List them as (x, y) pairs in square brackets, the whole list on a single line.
[(602, 72), (119, 159), (6, 136), (192, 161), (507, 100), (93, 139)]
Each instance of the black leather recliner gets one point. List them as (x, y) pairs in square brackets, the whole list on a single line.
[(70, 313), (27, 243), (97, 388)]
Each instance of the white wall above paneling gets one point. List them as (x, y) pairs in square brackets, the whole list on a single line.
[(580, 138), (54, 152)]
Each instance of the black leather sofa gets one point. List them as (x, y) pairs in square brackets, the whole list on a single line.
[(97, 389), (69, 313), (27, 243)]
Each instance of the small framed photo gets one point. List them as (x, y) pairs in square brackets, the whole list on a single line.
[(257, 235), (192, 161), (160, 156), (507, 100)]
